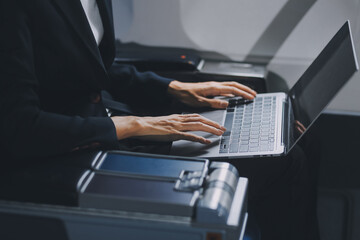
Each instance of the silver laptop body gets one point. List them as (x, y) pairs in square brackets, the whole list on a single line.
[(273, 123)]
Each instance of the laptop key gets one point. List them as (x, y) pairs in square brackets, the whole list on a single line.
[(224, 148), (254, 149), (254, 136), (264, 138), (271, 147), (229, 120), (264, 147), (256, 125), (234, 148), (236, 133), (236, 128), (244, 143), (224, 140), (253, 144), (244, 137), (243, 148), (227, 133)]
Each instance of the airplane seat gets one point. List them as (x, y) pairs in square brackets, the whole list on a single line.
[(190, 65), (252, 230), (338, 205)]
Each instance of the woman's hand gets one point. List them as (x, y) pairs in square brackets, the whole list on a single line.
[(196, 94), (166, 128)]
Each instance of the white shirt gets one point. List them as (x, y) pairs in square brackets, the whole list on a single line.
[(93, 15)]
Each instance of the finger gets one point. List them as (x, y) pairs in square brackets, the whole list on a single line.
[(214, 103), (228, 95), (199, 118), (300, 125), (222, 90), (241, 87), (301, 131), (199, 126)]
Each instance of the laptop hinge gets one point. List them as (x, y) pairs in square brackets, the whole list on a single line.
[(285, 126)]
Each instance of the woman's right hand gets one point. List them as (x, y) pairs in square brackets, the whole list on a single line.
[(166, 128)]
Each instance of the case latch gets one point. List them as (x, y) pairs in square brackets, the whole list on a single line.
[(189, 181)]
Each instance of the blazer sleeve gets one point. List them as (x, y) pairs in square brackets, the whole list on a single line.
[(131, 86), (25, 129)]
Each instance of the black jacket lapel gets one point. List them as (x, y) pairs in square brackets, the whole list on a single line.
[(107, 46), (75, 14)]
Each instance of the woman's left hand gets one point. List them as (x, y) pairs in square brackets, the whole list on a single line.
[(197, 94)]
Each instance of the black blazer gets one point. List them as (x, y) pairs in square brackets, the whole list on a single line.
[(52, 73)]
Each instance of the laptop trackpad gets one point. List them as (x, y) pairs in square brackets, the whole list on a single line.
[(194, 149), (216, 116)]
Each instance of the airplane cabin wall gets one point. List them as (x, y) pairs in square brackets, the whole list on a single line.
[(286, 34)]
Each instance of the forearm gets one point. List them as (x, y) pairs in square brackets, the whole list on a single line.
[(127, 84), (38, 134)]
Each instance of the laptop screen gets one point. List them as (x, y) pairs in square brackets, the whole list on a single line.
[(321, 81)]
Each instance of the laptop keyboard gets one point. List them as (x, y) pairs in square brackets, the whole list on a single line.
[(250, 125)]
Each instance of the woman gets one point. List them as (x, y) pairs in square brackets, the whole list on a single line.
[(57, 57)]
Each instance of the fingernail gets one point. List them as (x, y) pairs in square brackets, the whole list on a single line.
[(223, 128), (224, 104)]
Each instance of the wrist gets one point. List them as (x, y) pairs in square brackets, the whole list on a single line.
[(174, 87), (126, 127), (180, 90)]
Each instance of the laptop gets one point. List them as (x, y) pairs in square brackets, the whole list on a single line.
[(272, 123)]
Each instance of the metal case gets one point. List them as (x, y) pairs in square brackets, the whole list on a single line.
[(206, 194)]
